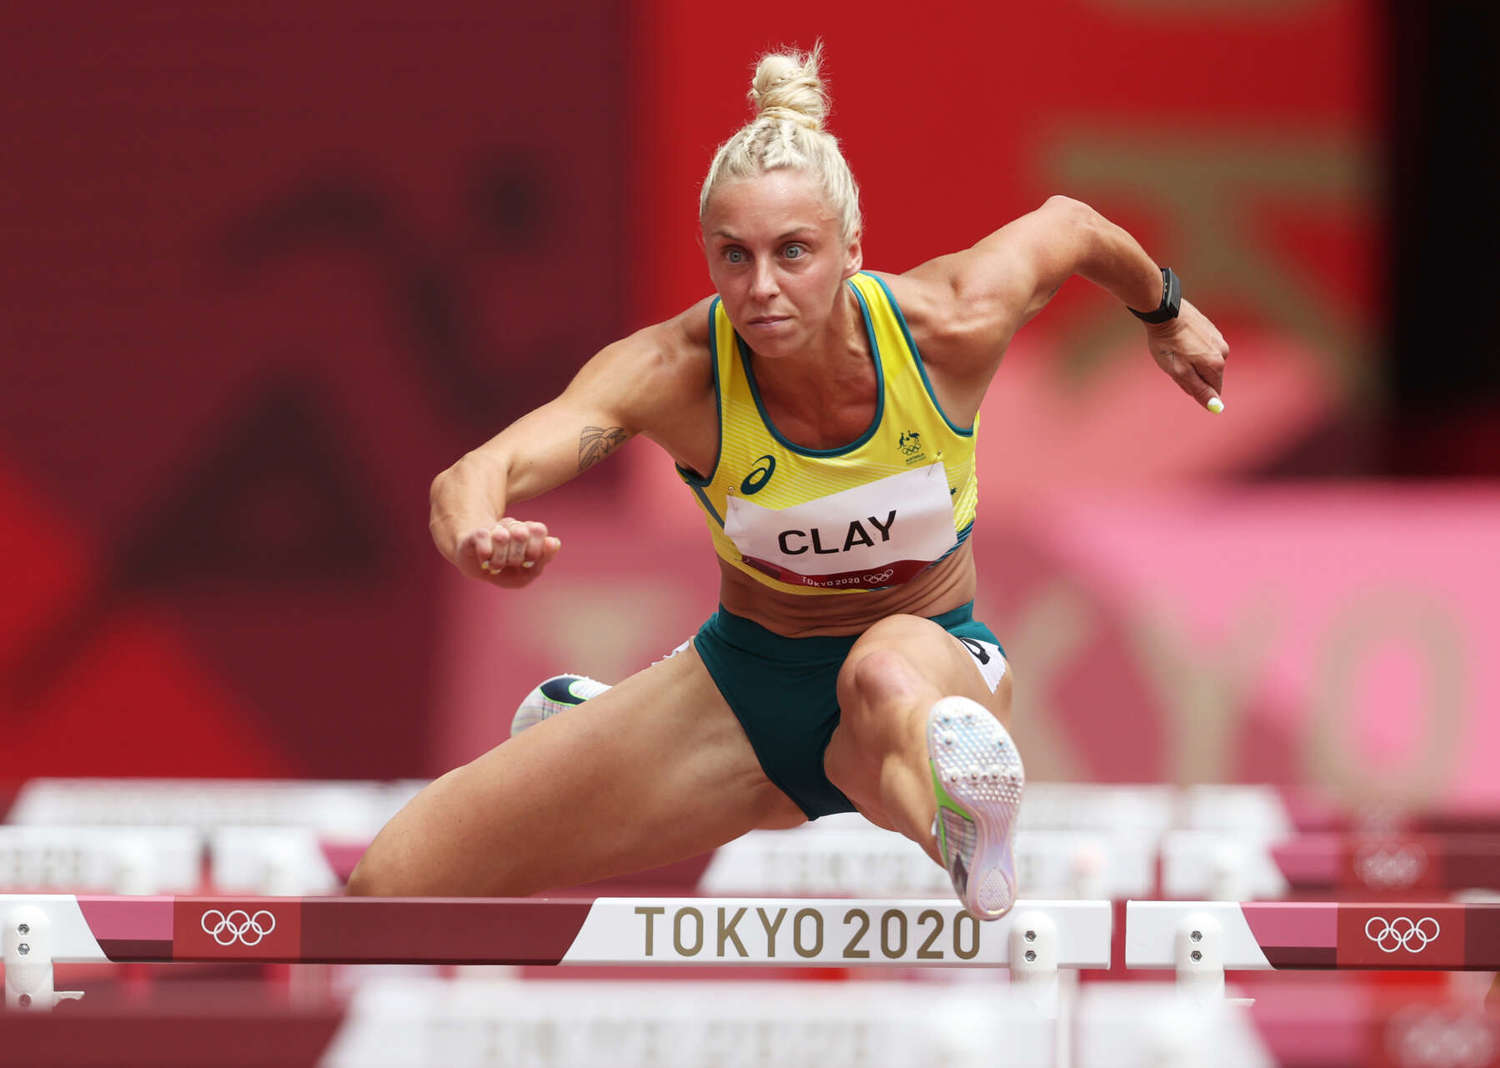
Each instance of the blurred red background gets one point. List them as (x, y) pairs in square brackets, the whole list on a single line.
[(271, 269)]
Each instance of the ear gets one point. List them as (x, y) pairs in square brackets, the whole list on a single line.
[(856, 260)]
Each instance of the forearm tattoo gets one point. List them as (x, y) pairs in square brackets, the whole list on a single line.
[(597, 442)]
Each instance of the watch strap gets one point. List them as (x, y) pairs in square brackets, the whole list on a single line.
[(1171, 299)]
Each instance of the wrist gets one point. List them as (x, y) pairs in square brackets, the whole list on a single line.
[(1171, 300)]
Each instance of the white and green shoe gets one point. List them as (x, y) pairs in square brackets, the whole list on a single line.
[(557, 694), (978, 778)]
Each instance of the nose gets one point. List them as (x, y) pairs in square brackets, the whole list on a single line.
[(763, 284)]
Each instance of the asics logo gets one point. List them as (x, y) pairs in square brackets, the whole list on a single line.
[(881, 576), (1402, 933), (238, 926), (759, 475)]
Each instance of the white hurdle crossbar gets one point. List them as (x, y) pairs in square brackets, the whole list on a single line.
[(1034, 940), (1201, 940)]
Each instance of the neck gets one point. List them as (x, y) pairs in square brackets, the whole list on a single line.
[(839, 353), (826, 396)]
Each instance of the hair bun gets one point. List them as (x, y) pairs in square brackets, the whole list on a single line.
[(786, 87)]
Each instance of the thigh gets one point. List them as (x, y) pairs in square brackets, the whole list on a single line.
[(653, 771)]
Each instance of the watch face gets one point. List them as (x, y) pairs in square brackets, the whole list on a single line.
[(1171, 300), (1172, 293)]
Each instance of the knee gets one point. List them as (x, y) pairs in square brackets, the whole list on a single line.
[(879, 679), (369, 880), (388, 869)]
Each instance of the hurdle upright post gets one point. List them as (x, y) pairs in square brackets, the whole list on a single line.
[(1199, 952), (1033, 959), (28, 961)]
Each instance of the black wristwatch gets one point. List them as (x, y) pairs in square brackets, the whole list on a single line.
[(1171, 299)]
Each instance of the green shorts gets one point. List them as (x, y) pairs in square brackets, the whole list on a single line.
[(783, 691)]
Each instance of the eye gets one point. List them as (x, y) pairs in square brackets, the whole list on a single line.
[(734, 255), (795, 251)]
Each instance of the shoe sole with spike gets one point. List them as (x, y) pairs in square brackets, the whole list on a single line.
[(978, 777)]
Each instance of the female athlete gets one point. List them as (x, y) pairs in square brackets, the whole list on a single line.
[(824, 418)]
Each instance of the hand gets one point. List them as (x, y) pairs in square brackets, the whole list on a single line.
[(510, 554), (1192, 351)]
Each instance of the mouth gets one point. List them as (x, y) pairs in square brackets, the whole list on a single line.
[(769, 320)]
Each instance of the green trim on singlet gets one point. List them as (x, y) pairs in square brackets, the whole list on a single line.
[(746, 361), (917, 357), (708, 505), (906, 427), (692, 478)]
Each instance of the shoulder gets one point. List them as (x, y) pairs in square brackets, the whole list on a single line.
[(679, 349), (966, 305), (659, 370), (944, 322)]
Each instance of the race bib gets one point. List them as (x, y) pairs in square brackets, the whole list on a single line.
[(875, 535)]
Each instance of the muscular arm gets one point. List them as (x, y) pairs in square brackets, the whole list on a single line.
[(1015, 271), (637, 385), (984, 294)]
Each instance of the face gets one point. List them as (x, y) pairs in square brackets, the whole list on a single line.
[(776, 258)]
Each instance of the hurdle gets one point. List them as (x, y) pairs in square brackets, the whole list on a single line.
[(1034, 940), (1230, 867), (1201, 940), (1383, 863)]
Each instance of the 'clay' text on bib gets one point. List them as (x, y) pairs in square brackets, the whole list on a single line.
[(875, 535)]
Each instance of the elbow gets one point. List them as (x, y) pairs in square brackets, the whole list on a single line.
[(1070, 212), (1079, 236)]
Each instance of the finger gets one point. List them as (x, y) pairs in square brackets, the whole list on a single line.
[(499, 539), (536, 540), (520, 549), (1194, 386), (546, 551), (510, 550), (480, 545), (1213, 374), (531, 569)]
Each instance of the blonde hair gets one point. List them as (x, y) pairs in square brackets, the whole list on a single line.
[(790, 103)]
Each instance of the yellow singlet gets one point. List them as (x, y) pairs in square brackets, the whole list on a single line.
[(866, 516)]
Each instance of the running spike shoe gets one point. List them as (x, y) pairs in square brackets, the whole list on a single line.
[(557, 694), (978, 778)]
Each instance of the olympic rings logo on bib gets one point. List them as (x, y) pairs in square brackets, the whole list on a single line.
[(881, 576), (1402, 933), (238, 926)]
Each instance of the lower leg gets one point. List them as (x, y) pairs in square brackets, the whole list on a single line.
[(891, 691), (917, 743)]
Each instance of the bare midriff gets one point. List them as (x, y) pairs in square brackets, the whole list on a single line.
[(944, 586)]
